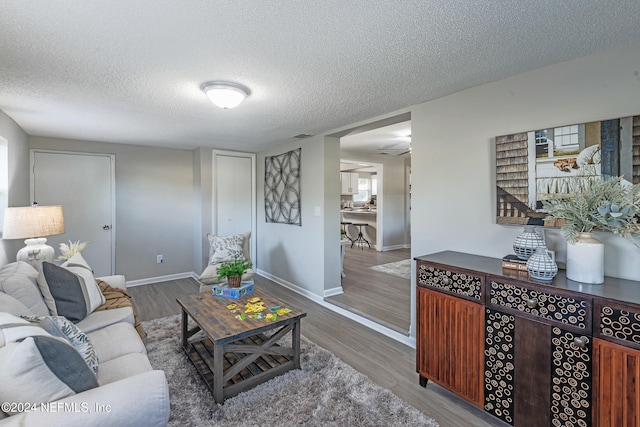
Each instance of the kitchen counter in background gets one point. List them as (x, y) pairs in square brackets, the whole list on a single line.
[(358, 211), (364, 216)]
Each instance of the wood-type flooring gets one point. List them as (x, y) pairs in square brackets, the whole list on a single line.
[(380, 297), (384, 360)]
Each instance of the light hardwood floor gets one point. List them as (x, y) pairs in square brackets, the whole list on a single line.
[(384, 360), (377, 296)]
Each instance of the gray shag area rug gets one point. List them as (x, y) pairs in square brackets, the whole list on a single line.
[(398, 268), (324, 392)]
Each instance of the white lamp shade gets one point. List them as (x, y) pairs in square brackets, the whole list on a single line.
[(225, 94), (32, 221)]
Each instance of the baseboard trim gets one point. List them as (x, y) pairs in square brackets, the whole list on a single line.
[(157, 279), (394, 247), (333, 291), (404, 339)]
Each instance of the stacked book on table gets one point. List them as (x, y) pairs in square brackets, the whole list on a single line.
[(515, 267)]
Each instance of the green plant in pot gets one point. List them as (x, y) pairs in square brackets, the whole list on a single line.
[(233, 271), (608, 204)]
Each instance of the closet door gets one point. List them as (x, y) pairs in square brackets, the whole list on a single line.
[(234, 194)]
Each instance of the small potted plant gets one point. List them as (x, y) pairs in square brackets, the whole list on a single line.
[(233, 271)]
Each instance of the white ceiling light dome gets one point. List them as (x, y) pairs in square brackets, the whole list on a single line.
[(225, 94)]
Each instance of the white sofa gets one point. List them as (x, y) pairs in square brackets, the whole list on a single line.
[(129, 391)]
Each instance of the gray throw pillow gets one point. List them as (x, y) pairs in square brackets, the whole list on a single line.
[(42, 369), (67, 291)]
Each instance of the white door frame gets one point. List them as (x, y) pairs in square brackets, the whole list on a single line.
[(214, 196), (112, 158)]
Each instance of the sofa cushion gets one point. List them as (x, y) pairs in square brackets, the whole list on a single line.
[(9, 304), (13, 328), (18, 279), (59, 326), (100, 319), (42, 369), (37, 367), (122, 367), (77, 265), (116, 340), (69, 291)]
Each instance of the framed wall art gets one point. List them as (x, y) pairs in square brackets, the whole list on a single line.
[(282, 188)]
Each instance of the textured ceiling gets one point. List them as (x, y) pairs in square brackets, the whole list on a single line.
[(129, 71), (393, 140)]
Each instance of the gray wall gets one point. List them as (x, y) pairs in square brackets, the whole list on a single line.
[(453, 153), (202, 199), (18, 173), (296, 255), (154, 205), (453, 178)]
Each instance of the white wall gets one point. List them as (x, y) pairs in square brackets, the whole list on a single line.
[(295, 255), (453, 157), (154, 205), (18, 177)]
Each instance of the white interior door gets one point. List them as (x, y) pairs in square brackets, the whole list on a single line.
[(84, 185), (234, 195)]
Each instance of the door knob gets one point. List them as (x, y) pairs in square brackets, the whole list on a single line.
[(106, 227)]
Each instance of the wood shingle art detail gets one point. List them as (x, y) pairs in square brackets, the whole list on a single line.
[(512, 178)]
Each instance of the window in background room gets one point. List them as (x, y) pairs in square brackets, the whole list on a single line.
[(364, 190), (374, 185), (566, 136)]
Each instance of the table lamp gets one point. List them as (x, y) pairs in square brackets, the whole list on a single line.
[(33, 223)]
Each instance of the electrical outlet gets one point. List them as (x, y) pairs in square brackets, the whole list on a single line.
[(159, 259)]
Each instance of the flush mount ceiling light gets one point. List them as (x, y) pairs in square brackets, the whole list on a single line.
[(225, 94)]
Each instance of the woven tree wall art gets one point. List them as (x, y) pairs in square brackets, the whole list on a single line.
[(282, 188)]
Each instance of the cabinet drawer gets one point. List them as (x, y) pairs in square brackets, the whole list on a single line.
[(619, 322), (568, 310), (456, 282)]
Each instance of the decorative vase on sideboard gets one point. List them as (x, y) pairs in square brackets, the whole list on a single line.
[(526, 242), (542, 264), (585, 259)]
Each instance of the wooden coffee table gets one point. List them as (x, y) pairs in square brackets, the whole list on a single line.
[(236, 355)]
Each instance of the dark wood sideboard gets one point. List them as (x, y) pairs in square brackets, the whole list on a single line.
[(530, 353)]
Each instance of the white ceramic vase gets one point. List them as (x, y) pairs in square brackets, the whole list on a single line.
[(585, 260)]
